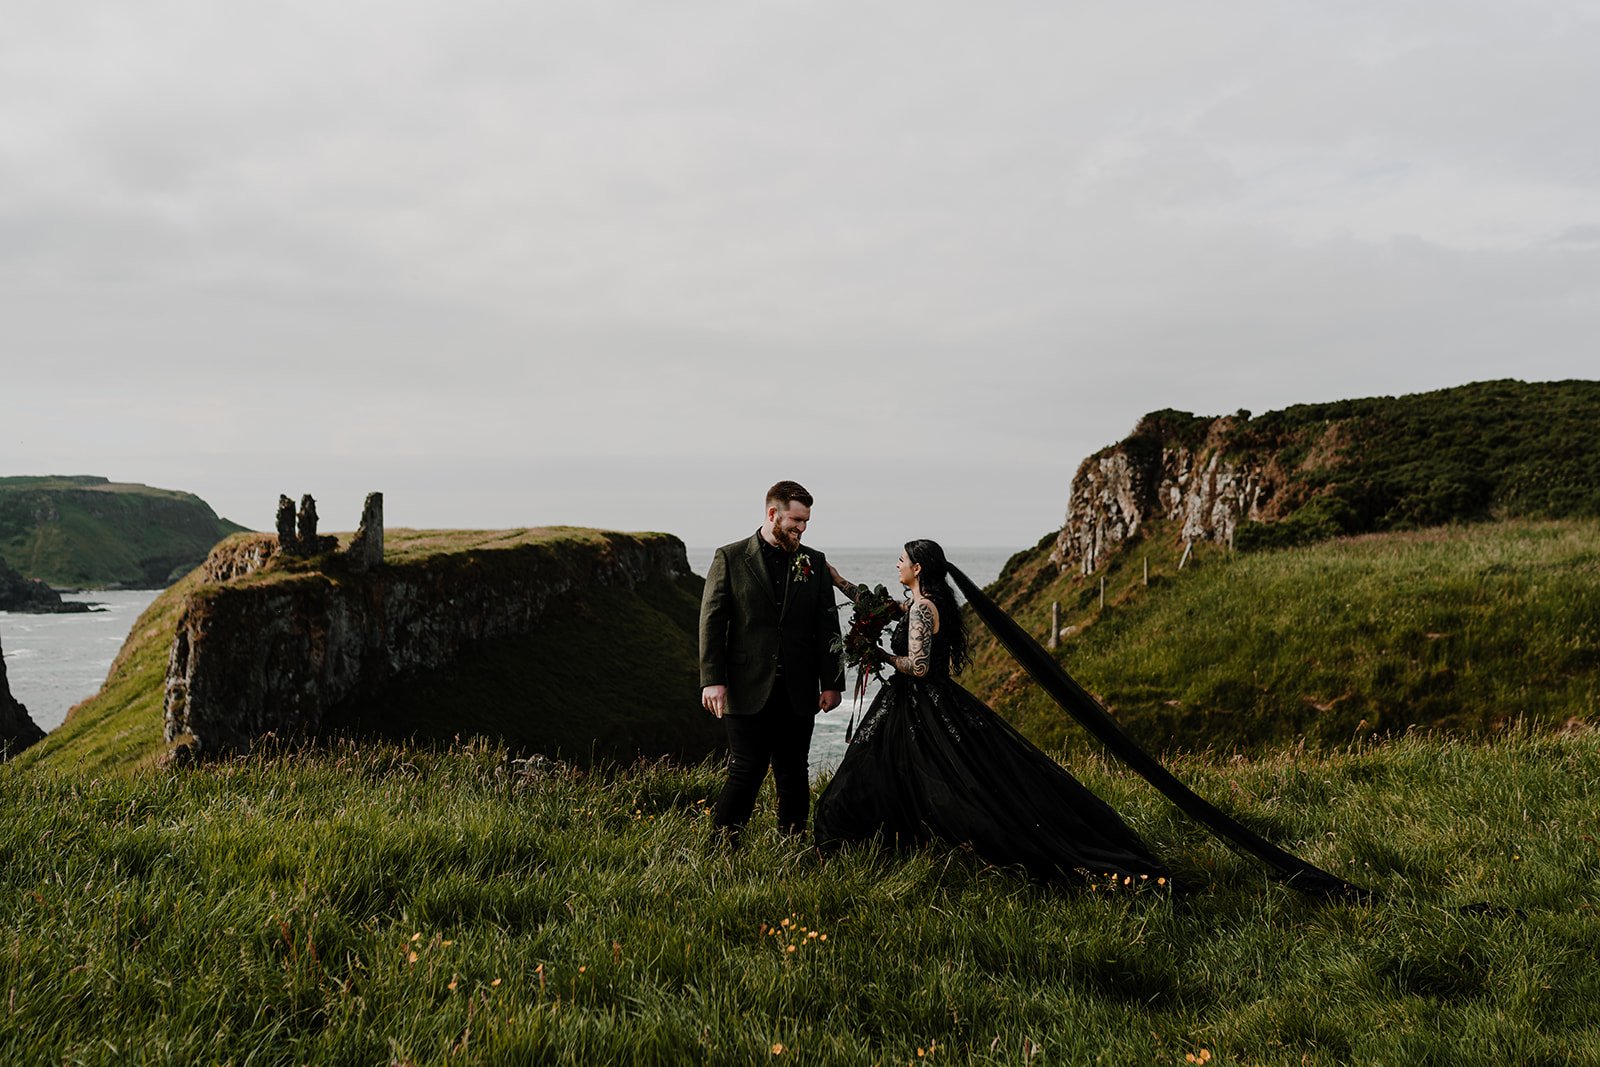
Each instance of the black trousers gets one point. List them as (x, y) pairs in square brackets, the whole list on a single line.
[(778, 736)]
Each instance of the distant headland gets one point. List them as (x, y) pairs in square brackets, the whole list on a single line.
[(88, 532)]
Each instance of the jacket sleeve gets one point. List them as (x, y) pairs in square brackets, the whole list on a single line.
[(716, 609), (830, 663)]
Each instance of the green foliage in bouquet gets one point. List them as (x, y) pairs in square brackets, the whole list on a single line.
[(874, 610)]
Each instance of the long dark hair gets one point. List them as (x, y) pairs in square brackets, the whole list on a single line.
[(935, 586)]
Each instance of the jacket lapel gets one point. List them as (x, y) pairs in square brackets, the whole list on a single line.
[(758, 570)]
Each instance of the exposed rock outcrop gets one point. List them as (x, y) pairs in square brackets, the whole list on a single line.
[(30, 595), (1313, 471), (1165, 470), (285, 653), (17, 730), (238, 556)]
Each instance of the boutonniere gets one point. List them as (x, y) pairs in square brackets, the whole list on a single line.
[(802, 566)]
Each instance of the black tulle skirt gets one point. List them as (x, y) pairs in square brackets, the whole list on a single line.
[(930, 761)]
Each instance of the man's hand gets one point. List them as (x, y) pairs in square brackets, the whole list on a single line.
[(714, 698), (830, 699)]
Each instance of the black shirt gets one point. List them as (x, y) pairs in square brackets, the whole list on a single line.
[(778, 563)]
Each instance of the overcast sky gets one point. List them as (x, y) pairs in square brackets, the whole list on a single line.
[(625, 264)]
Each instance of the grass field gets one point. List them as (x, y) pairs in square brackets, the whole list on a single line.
[(1464, 628), (384, 904)]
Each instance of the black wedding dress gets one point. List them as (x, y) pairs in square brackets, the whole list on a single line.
[(930, 761)]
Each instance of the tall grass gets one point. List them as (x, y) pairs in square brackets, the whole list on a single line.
[(1467, 629), (384, 904)]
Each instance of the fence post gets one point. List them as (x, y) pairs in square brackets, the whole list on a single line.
[(1055, 623), (1147, 570), (1102, 592)]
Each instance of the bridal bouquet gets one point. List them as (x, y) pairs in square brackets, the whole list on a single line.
[(874, 611)]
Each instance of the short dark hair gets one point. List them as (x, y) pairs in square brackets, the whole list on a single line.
[(783, 493)]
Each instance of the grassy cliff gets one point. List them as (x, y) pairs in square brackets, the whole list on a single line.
[(1488, 450), (1466, 628), (603, 667), (87, 532)]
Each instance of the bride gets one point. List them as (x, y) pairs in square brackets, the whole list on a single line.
[(930, 760)]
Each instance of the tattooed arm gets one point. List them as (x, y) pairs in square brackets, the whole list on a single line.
[(919, 641), (850, 589)]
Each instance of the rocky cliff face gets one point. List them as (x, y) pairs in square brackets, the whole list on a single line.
[(1313, 471), (266, 651), (1172, 467), (17, 730), (238, 556), (26, 594)]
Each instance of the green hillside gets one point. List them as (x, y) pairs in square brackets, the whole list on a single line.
[(1467, 628), (87, 532), (1500, 449), (599, 669)]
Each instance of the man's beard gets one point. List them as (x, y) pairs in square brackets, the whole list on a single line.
[(786, 538)]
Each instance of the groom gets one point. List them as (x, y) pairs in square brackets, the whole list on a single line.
[(767, 665)]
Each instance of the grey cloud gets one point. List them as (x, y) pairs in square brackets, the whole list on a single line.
[(586, 246)]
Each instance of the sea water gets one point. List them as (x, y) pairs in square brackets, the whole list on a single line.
[(869, 567), (55, 661)]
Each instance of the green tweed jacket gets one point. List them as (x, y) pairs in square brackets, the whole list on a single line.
[(746, 635)]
